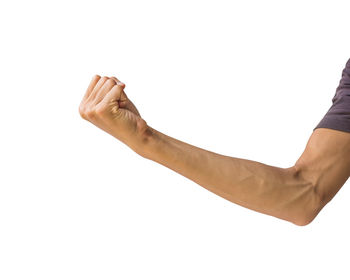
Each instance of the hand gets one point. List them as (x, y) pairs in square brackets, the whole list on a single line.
[(106, 105)]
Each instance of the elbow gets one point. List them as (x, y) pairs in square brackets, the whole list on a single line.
[(303, 220), (304, 217), (308, 211)]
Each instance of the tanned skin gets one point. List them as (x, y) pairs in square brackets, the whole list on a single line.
[(295, 194)]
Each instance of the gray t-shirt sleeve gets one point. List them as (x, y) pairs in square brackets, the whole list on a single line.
[(338, 115)]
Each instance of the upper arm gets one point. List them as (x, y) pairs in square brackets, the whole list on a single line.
[(325, 163)]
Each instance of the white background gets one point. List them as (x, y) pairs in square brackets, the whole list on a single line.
[(248, 79)]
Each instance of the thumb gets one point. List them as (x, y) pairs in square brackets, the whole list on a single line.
[(115, 94)]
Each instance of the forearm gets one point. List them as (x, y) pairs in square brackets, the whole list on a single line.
[(267, 189)]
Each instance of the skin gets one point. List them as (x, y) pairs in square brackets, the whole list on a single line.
[(295, 194)]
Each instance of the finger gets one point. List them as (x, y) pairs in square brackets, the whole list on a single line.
[(97, 87), (91, 86), (123, 96), (117, 81), (107, 86), (113, 96)]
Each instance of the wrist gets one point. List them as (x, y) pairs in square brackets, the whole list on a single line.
[(147, 139)]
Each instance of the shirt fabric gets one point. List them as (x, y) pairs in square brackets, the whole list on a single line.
[(338, 115)]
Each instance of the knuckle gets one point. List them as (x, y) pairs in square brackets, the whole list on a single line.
[(100, 110), (111, 82), (96, 77), (82, 111), (115, 79), (90, 114), (104, 78)]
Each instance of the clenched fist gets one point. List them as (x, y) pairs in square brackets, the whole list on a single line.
[(106, 105)]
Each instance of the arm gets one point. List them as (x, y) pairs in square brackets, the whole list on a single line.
[(295, 194)]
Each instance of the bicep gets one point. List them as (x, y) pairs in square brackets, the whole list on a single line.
[(325, 162)]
